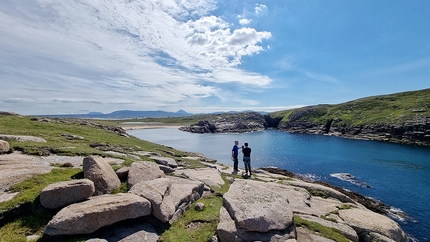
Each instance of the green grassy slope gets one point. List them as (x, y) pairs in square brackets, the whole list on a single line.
[(385, 109)]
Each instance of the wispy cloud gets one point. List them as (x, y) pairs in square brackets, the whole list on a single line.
[(149, 54)]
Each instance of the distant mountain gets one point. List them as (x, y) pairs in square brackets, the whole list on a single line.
[(123, 114)]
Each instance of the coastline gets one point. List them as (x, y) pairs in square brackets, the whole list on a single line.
[(149, 126)]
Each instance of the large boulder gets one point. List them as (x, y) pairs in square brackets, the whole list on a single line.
[(101, 173), (228, 230), (182, 194), (170, 197), (255, 206), (143, 171), (155, 191), (99, 211), (255, 211), (61, 194), (4, 147), (365, 221)]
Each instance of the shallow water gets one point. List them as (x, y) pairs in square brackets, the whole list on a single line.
[(398, 175)]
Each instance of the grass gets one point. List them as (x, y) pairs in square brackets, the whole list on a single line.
[(198, 225), (32, 221), (377, 110), (318, 193), (32, 218), (324, 231), (56, 143)]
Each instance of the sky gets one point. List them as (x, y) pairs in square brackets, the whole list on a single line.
[(80, 56)]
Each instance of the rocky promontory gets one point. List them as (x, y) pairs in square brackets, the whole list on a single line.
[(399, 118), (231, 123)]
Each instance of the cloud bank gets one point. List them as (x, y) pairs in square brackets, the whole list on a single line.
[(66, 56)]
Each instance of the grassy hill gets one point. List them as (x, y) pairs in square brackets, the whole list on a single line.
[(392, 109)]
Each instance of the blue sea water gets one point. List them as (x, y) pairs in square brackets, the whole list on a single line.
[(398, 175)]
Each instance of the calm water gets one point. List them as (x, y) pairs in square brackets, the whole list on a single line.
[(397, 175)]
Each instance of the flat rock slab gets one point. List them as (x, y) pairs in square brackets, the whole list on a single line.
[(367, 221), (228, 230), (99, 211), (17, 167), (209, 176), (21, 138), (61, 194), (166, 161), (258, 206)]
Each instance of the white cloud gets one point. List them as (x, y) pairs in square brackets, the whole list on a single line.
[(145, 53), (244, 21), (260, 9)]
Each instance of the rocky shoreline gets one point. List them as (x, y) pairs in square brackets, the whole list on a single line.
[(414, 132), (264, 207)]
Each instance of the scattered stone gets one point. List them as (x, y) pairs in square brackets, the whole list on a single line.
[(4, 147), (99, 211), (143, 171), (199, 206), (166, 161), (147, 154), (101, 173), (166, 169), (5, 196), (61, 194), (72, 137)]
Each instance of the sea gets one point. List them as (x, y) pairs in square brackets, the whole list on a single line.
[(395, 174)]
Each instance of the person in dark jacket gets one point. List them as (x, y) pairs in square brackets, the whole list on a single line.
[(234, 154), (247, 158)]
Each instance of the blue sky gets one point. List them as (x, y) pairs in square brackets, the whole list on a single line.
[(63, 57)]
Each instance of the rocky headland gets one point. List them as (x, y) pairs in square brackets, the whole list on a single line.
[(399, 118)]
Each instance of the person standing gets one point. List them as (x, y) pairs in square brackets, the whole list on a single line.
[(247, 159), (234, 156)]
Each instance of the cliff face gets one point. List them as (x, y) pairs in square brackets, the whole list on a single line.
[(416, 131)]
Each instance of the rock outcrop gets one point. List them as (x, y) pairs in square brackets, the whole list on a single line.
[(241, 122), (101, 173), (253, 211), (61, 194), (264, 210), (86, 217), (143, 171)]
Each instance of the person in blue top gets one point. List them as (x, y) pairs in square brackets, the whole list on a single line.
[(247, 158), (234, 154)]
